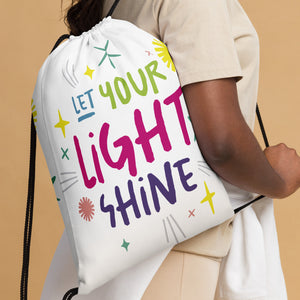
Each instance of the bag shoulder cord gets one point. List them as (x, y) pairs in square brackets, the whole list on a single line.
[(30, 198), (30, 195)]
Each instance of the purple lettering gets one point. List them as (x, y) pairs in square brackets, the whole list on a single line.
[(184, 177), (108, 209), (144, 199), (169, 194), (124, 205)]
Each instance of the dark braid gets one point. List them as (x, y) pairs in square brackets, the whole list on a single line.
[(82, 15)]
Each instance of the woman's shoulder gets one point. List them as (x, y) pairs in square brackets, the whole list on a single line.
[(142, 13)]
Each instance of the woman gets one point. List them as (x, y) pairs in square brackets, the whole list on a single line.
[(215, 49)]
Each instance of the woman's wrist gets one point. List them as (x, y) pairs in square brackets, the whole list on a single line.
[(279, 189)]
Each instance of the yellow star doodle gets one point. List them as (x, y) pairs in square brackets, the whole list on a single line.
[(208, 198), (89, 72), (61, 124)]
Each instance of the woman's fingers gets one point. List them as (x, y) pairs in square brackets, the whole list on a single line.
[(286, 162)]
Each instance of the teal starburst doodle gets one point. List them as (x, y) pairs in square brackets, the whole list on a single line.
[(107, 55), (125, 245)]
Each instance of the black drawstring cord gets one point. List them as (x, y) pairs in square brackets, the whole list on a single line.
[(30, 202), (70, 293), (112, 8), (247, 204), (60, 39), (262, 128), (263, 132), (29, 214)]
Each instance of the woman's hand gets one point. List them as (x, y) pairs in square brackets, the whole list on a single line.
[(286, 163)]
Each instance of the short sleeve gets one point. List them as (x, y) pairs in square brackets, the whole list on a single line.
[(199, 38)]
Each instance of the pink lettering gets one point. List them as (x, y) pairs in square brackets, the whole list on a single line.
[(97, 164), (175, 98), (89, 183), (127, 152), (145, 137)]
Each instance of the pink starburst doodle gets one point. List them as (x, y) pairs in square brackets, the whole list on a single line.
[(86, 209)]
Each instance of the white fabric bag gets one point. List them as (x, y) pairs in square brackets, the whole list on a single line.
[(124, 162)]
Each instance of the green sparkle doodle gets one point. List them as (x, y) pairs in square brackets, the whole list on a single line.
[(125, 245)]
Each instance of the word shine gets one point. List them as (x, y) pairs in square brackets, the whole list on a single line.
[(132, 204), (127, 145)]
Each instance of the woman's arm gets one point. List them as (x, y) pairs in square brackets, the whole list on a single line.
[(229, 146)]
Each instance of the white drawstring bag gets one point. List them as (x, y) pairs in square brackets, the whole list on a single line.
[(127, 171), (128, 175)]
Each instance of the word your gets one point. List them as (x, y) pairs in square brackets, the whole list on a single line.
[(143, 139), (155, 185), (121, 85), (83, 103)]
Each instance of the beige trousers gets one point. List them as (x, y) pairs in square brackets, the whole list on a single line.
[(184, 276)]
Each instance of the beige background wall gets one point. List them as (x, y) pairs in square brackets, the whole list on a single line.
[(28, 32)]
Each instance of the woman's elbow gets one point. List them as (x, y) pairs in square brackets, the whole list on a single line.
[(218, 151)]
